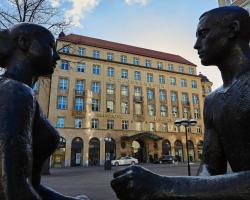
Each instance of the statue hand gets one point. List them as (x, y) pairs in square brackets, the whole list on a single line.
[(137, 183)]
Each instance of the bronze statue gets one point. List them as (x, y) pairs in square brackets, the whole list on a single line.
[(27, 139), (223, 36)]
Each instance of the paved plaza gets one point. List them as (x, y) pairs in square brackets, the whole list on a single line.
[(95, 181)]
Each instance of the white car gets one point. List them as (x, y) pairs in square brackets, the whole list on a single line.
[(125, 161)]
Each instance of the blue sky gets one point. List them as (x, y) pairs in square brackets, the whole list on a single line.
[(164, 25)]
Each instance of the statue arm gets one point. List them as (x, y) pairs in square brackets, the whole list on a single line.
[(213, 159), (16, 116)]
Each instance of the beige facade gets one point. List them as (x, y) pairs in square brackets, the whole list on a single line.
[(102, 90)]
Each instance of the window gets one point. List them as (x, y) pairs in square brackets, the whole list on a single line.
[(181, 69), (183, 83), (151, 126), (123, 59), (136, 61), (185, 113), (111, 72), (63, 84), (66, 49), (124, 90), (96, 54), (65, 65), (191, 70), (124, 107), (174, 111), (148, 63), (184, 98), (110, 56), (124, 125), (79, 103), (94, 123), (137, 75), (138, 126), (196, 114), (110, 124), (198, 129), (170, 67), (78, 122), (195, 99), (124, 73), (193, 84), (150, 77), (163, 110), (96, 87), (151, 110), (110, 88), (96, 69), (163, 95), (95, 105), (172, 81), (173, 96), (165, 127), (159, 65), (80, 67), (62, 102), (79, 85), (162, 79), (150, 94), (81, 51), (110, 106), (138, 108), (60, 122), (138, 91)]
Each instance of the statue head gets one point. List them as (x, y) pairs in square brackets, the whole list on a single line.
[(219, 31), (31, 44)]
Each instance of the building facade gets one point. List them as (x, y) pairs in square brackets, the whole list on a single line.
[(242, 3), (130, 95)]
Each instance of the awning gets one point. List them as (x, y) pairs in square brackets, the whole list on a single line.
[(142, 135)]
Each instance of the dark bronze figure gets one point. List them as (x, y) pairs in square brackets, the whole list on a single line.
[(223, 37), (27, 139)]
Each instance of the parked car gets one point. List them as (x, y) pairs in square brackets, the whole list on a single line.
[(165, 159), (125, 161)]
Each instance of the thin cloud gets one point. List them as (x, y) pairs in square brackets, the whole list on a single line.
[(78, 10), (131, 2)]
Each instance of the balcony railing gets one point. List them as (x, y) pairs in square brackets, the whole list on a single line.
[(79, 92), (138, 98)]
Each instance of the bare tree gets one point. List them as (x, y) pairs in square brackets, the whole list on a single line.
[(35, 11)]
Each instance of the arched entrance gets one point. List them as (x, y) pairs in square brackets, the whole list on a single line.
[(166, 147), (58, 158), (200, 149), (110, 147), (77, 152), (178, 150), (94, 151), (191, 150), (139, 150)]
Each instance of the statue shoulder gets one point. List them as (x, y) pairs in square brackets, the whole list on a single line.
[(10, 88)]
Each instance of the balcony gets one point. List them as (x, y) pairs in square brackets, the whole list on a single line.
[(185, 103), (138, 98), (139, 117), (79, 113), (79, 92)]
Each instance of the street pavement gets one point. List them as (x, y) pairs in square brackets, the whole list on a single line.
[(95, 181)]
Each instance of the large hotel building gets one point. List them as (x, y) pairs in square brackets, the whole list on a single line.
[(110, 97)]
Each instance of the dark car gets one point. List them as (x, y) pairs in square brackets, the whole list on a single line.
[(166, 159)]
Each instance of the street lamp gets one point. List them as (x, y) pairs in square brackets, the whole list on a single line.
[(107, 163), (186, 122)]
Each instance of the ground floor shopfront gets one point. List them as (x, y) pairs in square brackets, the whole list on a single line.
[(86, 147)]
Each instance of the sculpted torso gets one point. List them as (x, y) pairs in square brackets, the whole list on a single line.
[(227, 114)]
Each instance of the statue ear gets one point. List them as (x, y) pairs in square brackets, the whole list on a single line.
[(23, 42), (234, 29)]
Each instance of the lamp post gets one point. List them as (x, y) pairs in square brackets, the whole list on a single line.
[(107, 163), (186, 123)]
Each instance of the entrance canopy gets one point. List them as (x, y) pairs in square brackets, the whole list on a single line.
[(142, 135)]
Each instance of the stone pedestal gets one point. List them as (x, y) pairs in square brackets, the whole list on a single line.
[(1, 186)]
